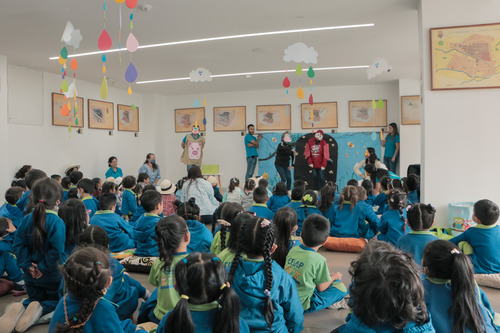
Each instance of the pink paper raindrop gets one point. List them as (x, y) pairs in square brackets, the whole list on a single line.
[(132, 43), (104, 42)]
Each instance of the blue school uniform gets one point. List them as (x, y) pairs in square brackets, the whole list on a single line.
[(65, 195), (413, 197), (484, 240), (203, 316), (23, 202), (138, 214), (381, 202), (261, 210), (275, 202), (371, 228), (438, 298), (294, 204), (347, 223), (301, 216), (391, 226), (355, 325), (414, 243), (8, 262), (144, 233), (129, 202), (90, 205), (370, 199), (120, 232), (249, 284), (44, 289), (103, 319), (12, 212), (201, 237)]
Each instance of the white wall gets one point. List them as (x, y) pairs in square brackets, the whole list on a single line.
[(409, 134), (460, 133)]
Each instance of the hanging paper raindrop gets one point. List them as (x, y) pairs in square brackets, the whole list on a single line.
[(310, 72), (300, 93), (131, 73), (204, 102), (74, 64), (131, 3), (64, 110), (311, 101), (64, 86), (196, 103), (298, 70), (132, 43), (204, 121), (286, 82), (374, 104), (104, 42), (104, 88), (380, 104), (64, 53)]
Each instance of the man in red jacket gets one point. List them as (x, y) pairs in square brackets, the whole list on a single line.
[(317, 154)]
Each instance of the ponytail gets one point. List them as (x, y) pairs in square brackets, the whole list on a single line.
[(180, 319), (349, 193), (169, 233), (233, 183), (309, 198), (268, 273), (39, 232), (224, 226), (397, 200)]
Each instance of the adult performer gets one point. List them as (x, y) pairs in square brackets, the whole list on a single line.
[(317, 154), (193, 145), (251, 145), (284, 153), (151, 168), (370, 157), (391, 144)]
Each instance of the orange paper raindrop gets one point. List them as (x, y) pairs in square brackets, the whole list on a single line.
[(129, 90), (74, 64), (300, 93), (64, 110)]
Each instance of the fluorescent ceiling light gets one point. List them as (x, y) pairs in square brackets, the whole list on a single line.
[(224, 37), (251, 73)]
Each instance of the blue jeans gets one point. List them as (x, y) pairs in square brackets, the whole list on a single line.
[(319, 178), (285, 175), (251, 164), (391, 166)]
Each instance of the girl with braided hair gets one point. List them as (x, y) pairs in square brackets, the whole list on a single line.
[(207, 302), (393, 221), (308, 207), (201, 237), (227, 255), (228, 213), (268, 296), (87, 275)]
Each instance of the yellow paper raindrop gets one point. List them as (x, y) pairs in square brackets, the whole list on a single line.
[(204, 102), (129, 90), (300, 93), (311, 82), (104, 88), (311, 115), (103, 69), (374, 104), (61, 60)]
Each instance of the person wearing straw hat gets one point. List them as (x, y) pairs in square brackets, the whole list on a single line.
[(193, 145), (167, 190), (71, 168)]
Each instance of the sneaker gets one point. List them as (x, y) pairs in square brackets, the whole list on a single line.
[(146, 295), (342, 304), (19, 290), (30, 316), (9, 319)]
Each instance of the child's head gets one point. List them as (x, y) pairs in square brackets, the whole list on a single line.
[(109, 187), (74, 214), (420, 216), (397, 200), (149, 187), (213, 181), (386, 288), (65, 182), (85, 186), (236, 223), (107, 201), (57, 178), (309, 198), (442, 260), (485, 212), (257, 240), (285, 223), (189, 210), (75, 177), (298, 192), (361, 193), (171, 232), (19, 182), (86, 274), (249, 184), (327, 195), (201, 279), (260, 195), (368, 186), (315, 230), (33, 176), (263, 182), (280, 189), (98, 183), (299, 183), (151, 201), (412, 182), (143, 178), (95, 236), (21, 173), (13, 194), (180, 183), (228, 215), (233, 184), (6, 226), (370, 169), (396, 184), (352, 182), (129, 182), (350, 194)]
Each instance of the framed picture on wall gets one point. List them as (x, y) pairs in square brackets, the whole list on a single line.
[(230, 118), (410, 110), (70, 115), (101, 114), (128, 118), (362, 114), (319, 115), (186, 118), (274, 117), (465, 57)]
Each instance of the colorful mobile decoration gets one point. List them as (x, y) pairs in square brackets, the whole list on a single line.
[(200, 74), (104, 43), (132, 46), (379, 104), (120, 31)]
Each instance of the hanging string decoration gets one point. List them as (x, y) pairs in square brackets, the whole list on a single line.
[(104, 43), (200, 74), (120, 31), (132, 46)]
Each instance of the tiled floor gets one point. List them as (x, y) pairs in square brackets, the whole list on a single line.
[(320, 322)]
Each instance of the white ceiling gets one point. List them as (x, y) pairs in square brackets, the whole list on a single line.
[(30, 33)]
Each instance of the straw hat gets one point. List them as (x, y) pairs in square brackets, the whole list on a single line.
[(213, 181), (70, 167), (118, 181), (166, 187), (110, 179)]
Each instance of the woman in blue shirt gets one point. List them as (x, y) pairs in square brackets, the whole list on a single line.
[(151, 168), (113, 171), (391, 144)]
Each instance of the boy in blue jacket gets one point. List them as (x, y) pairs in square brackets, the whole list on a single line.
[(260, 198), (32, 177), (85, 187), (297, 193), (120, 232), (144, 227), (9, 209), (129, 200)]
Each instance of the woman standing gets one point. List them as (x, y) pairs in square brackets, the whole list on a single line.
[(200, 189), (391, 144), (285, 153), (113, 171), (151, 168), (370, 158)]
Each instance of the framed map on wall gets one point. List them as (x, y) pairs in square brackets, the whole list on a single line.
[(363, 114), (186, 118), (274, 117), (230, 118)]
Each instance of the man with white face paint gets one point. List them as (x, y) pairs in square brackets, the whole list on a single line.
[(317, 154), (193, 145), (285, 153)]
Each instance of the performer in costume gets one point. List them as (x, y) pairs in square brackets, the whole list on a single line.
[(317, 154), (193, 145)]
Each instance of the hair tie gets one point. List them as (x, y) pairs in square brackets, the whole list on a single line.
[(455, 251), (97, 263), (215, 259), (223, 286), (41, 200), (184, 260), (185, 297), (408, 207), (265, 223), (267, 292), (307, 197)]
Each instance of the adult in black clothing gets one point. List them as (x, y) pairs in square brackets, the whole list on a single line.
[(285, 158)]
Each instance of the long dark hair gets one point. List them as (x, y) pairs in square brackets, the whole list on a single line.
[(373, 156), (327, 195), (169, 233), (155, 166), (309, 198), (21, 173), (397, 200), (444, 261), (284, 221), (394, 130), (228, 214), (349, 193), (74, 214), (420, 216), (200, 279), (233, 183)]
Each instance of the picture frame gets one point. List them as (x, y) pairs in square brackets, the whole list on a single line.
[(274, 117), (230, 118), (465, 57), (127, 118), (185, 119), (410, 110), (101, 114), (325, 115), (362, 114), (74, 118)]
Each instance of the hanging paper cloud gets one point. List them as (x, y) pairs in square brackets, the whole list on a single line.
[(300, 52), (71, 36), (68, 30), (200, 74), (76, 38), (378, 66), (72, 92)]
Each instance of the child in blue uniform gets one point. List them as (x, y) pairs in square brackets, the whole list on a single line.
[(279, 198), (386, 293), (483, 238), (87, 275), (381, 199), (453, 299), (349, 218), (201, 237), (144, 227), (9, 209), (420, 220), (74, 214), (412, 183), (260, 197), (318, 289), (65, 183), (308, 207), (368, 186), (228, 253), (392, 222), (228, 212), (327, 201), (39, 246), (372, 220), (296, 196), (85, 187), (32, 177), (8, 262), (207, 302), (285, 221), (268, 296), (129, 199), (120, 232)]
